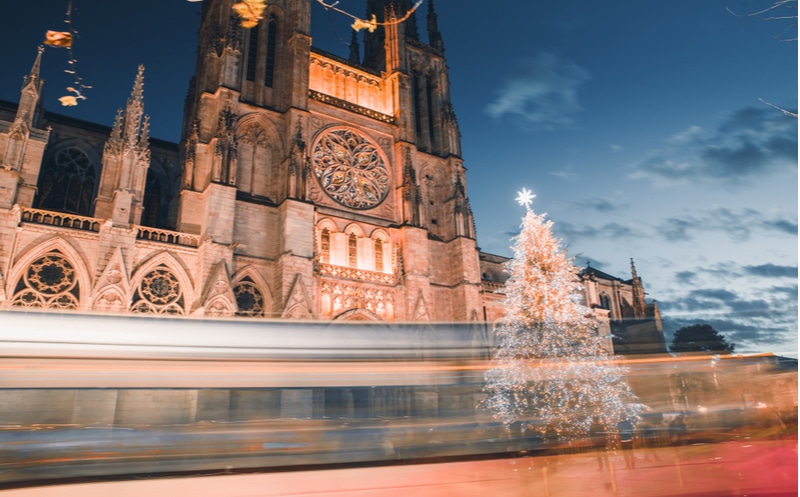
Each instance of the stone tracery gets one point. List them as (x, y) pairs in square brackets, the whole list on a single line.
[(159, 292), (50, 281), (350, 168)]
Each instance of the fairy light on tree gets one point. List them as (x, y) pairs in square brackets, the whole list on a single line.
[(550, 367)]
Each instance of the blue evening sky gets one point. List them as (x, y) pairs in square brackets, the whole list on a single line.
[(636, 123)]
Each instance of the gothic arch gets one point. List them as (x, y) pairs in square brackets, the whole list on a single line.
[(260, 49), (355, 229), (380, 234), (327, 223), (217, 298), (111, 288), (49, 274), (298, 303), (248, 285), (161, 285), (381, 251), (325, 228), (69, 178), (259, 156), (358, 315), (159, 189)]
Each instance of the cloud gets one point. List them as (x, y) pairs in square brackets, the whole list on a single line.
[(783, 225), (747, 143), (753, 318), (772, 271), (599, 204), (739, 225), (685, 277), (543, 93), (567, 173), (570, 232)]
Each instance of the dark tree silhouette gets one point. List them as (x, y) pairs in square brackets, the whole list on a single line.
[(700, 338)]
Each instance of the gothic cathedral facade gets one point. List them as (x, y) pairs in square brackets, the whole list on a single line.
[(304, 186)]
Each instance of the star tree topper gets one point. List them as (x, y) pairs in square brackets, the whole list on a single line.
[(525, 197)]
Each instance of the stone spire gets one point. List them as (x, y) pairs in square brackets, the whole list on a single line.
[(639, 304), (134, 111), (30, 98), (355, 55), (126, 160), (434, 36)]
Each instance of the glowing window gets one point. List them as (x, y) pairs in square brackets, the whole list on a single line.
[(352, 250), (325, 245), (378, 254)]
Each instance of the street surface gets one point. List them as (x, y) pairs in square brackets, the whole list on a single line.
[(734, 468)]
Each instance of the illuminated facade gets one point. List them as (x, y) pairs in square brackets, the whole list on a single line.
[(304, 186)]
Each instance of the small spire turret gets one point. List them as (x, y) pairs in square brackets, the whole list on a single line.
[(434, 36), (355, 55), (639, 304), (126, 160), (30, 98)]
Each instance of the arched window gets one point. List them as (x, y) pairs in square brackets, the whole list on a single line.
[(253, 70), (325, 245), (67, 183), (378, 255), (249, 299), (269, 63), (152, 200), (352, 250), (159, 292), (50, 281), (254, 159), (252, 53)]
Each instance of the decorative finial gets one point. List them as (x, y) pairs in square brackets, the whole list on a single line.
[(525, 197)]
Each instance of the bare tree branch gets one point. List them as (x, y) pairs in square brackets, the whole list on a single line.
[(785, 112)]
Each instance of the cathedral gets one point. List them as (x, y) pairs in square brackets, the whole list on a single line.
[(304, 186)]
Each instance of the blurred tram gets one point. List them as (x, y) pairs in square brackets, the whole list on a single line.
[(94, 396)]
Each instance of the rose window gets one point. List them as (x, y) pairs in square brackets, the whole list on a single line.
[(249, 300), (350, 168), (50, 281), (159, 293)]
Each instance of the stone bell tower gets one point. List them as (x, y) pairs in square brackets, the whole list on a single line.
[(341, 181)]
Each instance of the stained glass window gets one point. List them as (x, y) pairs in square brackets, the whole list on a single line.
[(350, 168), (67, 183), (378, 254), (249, 300), (159, 292), (352, 250), (50, 281), (325, 245)]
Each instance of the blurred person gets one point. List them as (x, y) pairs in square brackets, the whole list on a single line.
[(551, 437), (597, 436), (625, 429), (677, 430), (650, 439)]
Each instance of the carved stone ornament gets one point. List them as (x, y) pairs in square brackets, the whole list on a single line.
[(350, 168)]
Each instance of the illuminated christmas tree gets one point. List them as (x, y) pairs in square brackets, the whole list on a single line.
[(550, 367)]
